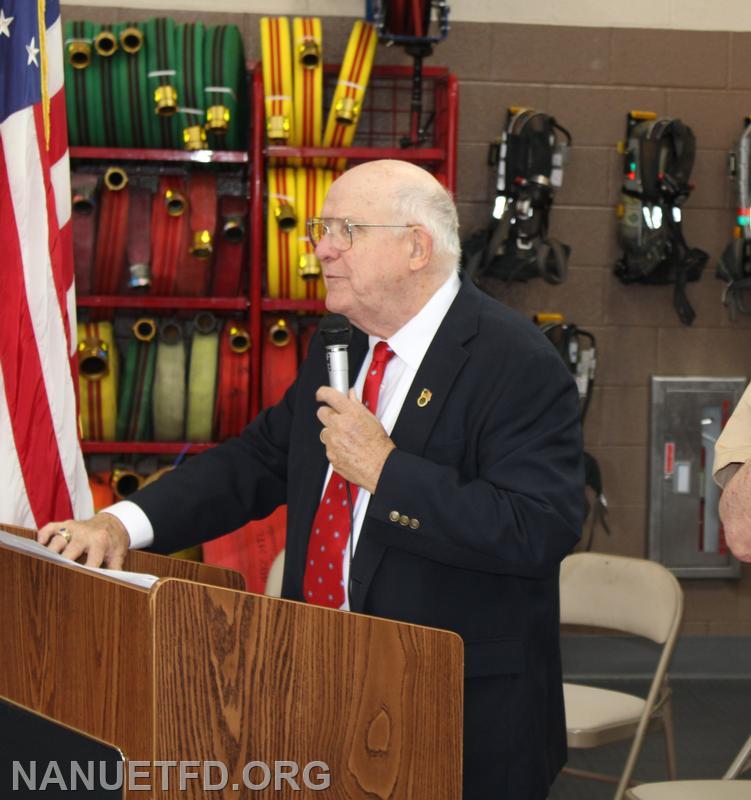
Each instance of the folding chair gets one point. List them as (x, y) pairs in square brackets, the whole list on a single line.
[(725, 789), (633, 596)]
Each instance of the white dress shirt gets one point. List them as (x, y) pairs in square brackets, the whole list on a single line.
[(409, 343)]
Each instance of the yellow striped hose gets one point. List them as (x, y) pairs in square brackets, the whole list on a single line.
[(307, 56), (312, 185), (350, 91), (282, 276), (276, 57)]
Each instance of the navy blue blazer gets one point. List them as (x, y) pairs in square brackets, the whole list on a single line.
[(491, 468)]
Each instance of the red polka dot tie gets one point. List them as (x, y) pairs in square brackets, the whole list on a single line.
[(322, 584)]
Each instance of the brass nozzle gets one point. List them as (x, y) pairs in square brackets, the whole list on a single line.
[(93, 358), (239, 338), (217, 119), (347, 110), (279, 333), (233, 229), (194, 138), (203, 244), (176, 202), (79, 54), (105, 43), (309, 53), (115, 179), (278, 128), (285, 215), (309, 266), (124, 482), (165, 98), (144, 329), (131, 39), (83, 200)]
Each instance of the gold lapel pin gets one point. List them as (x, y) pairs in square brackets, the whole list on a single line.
[(424, 398)]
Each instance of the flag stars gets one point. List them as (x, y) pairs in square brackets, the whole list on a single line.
[(33, 52), (5, 24)]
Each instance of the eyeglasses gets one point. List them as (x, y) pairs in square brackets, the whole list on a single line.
[(340, 230)]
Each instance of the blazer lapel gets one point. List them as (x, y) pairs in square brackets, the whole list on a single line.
[(422, 407)]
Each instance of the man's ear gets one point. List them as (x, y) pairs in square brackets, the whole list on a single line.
[(421, 248)]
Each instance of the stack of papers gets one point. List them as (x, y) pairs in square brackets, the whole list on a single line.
[(24, 545)]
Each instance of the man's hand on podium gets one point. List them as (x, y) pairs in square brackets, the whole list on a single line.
[(103, 539)]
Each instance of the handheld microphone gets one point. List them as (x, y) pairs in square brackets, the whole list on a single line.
[(336, 334)]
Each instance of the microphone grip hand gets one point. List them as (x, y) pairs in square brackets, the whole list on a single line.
[(357, 445)]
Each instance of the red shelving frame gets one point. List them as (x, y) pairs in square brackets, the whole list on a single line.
[(163, 303), (385, 116), (139, 154), (387, 87), (165, 448)]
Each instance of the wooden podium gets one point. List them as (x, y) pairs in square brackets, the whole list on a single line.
[(194, 669)]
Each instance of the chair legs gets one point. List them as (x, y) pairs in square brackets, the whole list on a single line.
[(667, 724), (741, 762)]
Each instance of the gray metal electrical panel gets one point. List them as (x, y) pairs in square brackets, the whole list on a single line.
[(685, 534)]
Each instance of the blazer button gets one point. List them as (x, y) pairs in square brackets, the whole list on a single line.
[(414, 524), (394, 516), (404, 520)]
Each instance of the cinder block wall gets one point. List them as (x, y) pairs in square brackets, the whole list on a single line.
[(589, 78)]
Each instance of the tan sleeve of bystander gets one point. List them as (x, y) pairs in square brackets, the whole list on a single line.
[(733, 448)]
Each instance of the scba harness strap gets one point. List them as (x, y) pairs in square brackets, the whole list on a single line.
[(578, 349), (658, 161), (530, 158), (734, 265)]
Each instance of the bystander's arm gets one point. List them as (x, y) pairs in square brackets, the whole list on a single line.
[(735, 512), (732, 472)]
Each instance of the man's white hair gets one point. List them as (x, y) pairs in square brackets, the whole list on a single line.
[(430, 205)]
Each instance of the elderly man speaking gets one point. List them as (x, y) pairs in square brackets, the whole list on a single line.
[(460, 441)]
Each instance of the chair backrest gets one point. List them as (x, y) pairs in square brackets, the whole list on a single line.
[(631, 595), (273, 586)]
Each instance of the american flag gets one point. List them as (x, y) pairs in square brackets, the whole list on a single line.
[(42, 474)]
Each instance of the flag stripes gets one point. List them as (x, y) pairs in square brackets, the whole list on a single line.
[(41, 464)]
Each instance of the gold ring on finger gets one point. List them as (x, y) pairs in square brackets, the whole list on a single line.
[(65, 533)]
